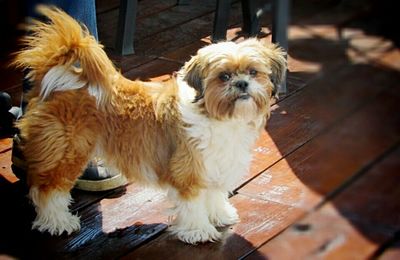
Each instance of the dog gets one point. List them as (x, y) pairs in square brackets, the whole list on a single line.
[(192, 134)]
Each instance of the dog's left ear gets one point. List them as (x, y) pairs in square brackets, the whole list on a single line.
[(278, 65), (193, 75)]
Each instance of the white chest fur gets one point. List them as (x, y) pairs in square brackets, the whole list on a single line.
[(226, 149), (225, 146)]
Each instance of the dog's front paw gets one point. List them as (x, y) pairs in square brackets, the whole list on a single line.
[(58, 224), (195, 236), (224, 216)]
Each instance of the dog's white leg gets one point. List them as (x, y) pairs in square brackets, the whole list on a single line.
[(191, 224), (220, 210), (52, 212)]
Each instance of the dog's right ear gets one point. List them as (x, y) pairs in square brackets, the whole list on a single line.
[(193, 75)]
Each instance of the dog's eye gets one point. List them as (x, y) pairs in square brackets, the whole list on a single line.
[(224, 76), (253, 72)]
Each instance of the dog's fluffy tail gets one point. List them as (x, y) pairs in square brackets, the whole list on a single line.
[(60, 54)]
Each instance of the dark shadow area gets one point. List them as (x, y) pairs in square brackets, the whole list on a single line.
[(170, 248)]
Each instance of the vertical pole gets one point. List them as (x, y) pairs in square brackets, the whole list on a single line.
[(221, 20), (280, 23), (126, 27), (251, 24)]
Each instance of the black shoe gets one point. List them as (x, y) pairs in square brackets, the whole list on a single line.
[(97, 177)]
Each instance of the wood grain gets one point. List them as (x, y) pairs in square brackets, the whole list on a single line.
[(359, 214), (156, 70)]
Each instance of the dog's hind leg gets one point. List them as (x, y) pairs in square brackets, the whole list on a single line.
[(59, 138)]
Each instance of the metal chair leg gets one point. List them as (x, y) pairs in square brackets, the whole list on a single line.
[(221, 20), (280, 23), (251, 24), (126, 27)]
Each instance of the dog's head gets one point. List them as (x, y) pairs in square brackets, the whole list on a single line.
[(235, 79)]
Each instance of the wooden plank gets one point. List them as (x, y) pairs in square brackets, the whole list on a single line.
[(5, 167), (128, 62), (175, 16), (259, 219), (5, 144), (184, 53), (156, 70), (145, 8), (351, 226)]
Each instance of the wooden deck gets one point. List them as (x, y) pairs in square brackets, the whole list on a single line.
[(324, 183)]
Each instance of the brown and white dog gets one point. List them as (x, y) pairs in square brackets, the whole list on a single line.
[(192, 135)]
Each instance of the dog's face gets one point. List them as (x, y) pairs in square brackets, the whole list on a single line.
[(235, 79)]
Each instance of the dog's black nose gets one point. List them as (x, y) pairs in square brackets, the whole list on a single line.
[(242, 85)]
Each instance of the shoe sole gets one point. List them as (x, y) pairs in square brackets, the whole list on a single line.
[(101, 185)]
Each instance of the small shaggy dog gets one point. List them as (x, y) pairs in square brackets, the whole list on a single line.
[(192, 135)]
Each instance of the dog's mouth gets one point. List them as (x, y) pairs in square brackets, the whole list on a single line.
[(243, 96)]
